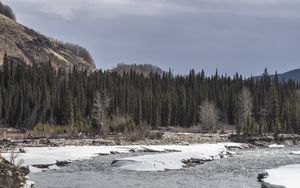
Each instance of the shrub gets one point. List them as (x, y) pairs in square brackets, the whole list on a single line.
[(121, 124), (48, 130)]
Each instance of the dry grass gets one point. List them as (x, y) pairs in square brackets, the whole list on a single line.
[(52, 131)]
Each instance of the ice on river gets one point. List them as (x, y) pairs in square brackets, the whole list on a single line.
[(286, 176), (167, 157), (172, 161), (295, 153)]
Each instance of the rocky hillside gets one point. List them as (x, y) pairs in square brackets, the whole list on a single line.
[(10, 176), (31, 47)]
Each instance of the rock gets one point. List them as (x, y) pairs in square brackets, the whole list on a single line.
[(230, 153), (102, 154), (184, 143), (43, 166), (262, 176), (25, 170), (193, 162), (10, 175), (22, 150), (114, 152), (120, 163), (233, 146), (62, 163)]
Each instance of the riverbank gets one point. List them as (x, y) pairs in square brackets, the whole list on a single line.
[(166, 138), (12, 176)]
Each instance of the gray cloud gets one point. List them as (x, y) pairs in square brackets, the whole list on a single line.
[(233, 35)]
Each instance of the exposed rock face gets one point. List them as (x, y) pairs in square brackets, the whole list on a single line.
[(10, 176), (32, 47)]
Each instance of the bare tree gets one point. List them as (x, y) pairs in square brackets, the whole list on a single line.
[(13, 156), (209, 115), (244, 110), (79, 51), (99, 109)]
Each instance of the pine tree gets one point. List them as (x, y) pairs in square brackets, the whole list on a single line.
[(275, 110), (67, 110)]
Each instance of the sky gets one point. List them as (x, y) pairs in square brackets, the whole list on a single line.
[(232, 36)]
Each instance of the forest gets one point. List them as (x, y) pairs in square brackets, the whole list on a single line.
[(7, 11), (37, 94)]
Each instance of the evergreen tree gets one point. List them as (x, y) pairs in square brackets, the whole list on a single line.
[(67, 110)]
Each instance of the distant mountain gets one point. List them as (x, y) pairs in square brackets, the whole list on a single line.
[(146, 69), (290, 75), (31, 47)]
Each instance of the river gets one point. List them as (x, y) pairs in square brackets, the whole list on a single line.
[(239, 171)]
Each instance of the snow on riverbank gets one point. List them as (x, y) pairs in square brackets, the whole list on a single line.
[(276, 146), (286, 176), (168, 157), (49, 155)]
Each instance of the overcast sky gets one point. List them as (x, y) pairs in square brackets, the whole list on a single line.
[(232, 35)]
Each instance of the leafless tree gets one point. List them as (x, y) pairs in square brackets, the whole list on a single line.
[(244, 109), (209, 115), (79, 51), (100, 105), (13, 156)]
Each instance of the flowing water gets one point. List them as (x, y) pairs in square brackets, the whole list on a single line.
[(239, 171)]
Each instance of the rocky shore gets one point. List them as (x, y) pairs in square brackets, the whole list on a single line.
[(264, 140), (12, 176), (167, 138)]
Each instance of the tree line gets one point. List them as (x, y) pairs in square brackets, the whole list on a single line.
[(7, 11), (31, 94)]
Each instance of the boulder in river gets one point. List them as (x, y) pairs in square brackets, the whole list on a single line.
[(262, 176), (62, 163), (25, 170), (42, 166)]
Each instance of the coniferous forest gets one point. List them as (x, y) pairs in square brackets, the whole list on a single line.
[(32, 94)]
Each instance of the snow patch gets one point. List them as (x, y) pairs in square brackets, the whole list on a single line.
[(276, 146), (58, 55), (29, 184)]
